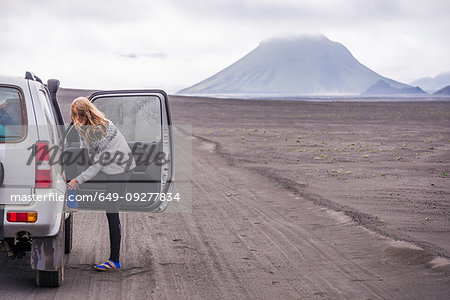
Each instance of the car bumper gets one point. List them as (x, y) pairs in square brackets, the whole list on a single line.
[(49, 205)]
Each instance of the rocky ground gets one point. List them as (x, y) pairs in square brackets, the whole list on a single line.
[(294, 200)]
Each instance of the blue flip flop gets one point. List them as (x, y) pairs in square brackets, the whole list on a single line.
[(109, 265)]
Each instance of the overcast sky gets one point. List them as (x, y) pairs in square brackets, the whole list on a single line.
[(173, 44)]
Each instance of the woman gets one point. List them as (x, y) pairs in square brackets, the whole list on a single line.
[(103, 139)]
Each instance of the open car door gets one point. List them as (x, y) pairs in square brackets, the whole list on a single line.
[(143, 117)]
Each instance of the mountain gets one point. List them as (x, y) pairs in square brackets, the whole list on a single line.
[(431, 84), (381, 87), (307, 65), (445, 91)]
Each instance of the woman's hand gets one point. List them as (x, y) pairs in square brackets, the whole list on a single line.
[(73, 184)]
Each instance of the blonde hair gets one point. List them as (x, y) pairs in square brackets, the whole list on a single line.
[(96, 124)]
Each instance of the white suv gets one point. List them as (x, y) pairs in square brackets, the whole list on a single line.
[(30, 216)]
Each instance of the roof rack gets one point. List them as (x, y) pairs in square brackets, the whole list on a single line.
[(32, 76)]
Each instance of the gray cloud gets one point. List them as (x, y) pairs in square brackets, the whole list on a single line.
[(143, 55), (100, 11), (247, 10), (188, 40), (344, 11)]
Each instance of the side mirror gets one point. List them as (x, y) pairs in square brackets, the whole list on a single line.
[(53, 85)]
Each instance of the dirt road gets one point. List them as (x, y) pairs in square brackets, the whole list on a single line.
[(385, 162), (245, 238)]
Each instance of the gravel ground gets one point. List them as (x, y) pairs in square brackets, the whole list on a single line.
[(385, 164), (293, 200)]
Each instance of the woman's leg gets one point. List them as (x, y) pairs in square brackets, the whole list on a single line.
[(117, 184), (114, 236)]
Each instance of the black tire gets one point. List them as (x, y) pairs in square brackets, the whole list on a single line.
[(68, 233), (50, 278)]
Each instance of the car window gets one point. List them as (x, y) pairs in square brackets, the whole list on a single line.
[(12, 115), (137, 117)]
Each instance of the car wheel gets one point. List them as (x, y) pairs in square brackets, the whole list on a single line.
[(50, 278), (53, 278)]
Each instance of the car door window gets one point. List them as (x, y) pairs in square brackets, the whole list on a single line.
[(12, 115), (138, 118)]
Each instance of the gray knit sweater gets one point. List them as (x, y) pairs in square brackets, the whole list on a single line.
[(111, 155)]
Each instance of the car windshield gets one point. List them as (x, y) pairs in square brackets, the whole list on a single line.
[(12, 115)]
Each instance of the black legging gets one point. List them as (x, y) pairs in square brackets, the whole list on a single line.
[(115, 184)]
